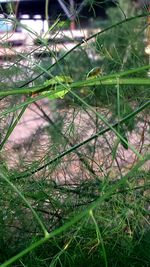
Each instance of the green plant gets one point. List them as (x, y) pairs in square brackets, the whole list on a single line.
[(75, 191)]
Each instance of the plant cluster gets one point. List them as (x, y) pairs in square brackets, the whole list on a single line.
[(74, 191)]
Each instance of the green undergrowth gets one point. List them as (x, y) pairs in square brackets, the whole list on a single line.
[(109, 234)]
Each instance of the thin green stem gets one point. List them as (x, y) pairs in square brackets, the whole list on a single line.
[(102, 118), (70, 150), (105, 80), (99, 237), (12, 127), (3, 175), (118, 99)]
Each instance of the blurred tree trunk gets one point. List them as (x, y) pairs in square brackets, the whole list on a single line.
[(148, 29), (72, 17), (71, 11)]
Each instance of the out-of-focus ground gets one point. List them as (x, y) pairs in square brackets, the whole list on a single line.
[(14, 43), (31, 140)]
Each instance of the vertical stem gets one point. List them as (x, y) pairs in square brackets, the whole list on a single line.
[(3, 175), (118, 99), (46, 12)]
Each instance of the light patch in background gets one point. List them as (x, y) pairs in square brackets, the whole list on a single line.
[(36, 24)]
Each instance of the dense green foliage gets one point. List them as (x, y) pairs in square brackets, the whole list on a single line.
[(74, 190)]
